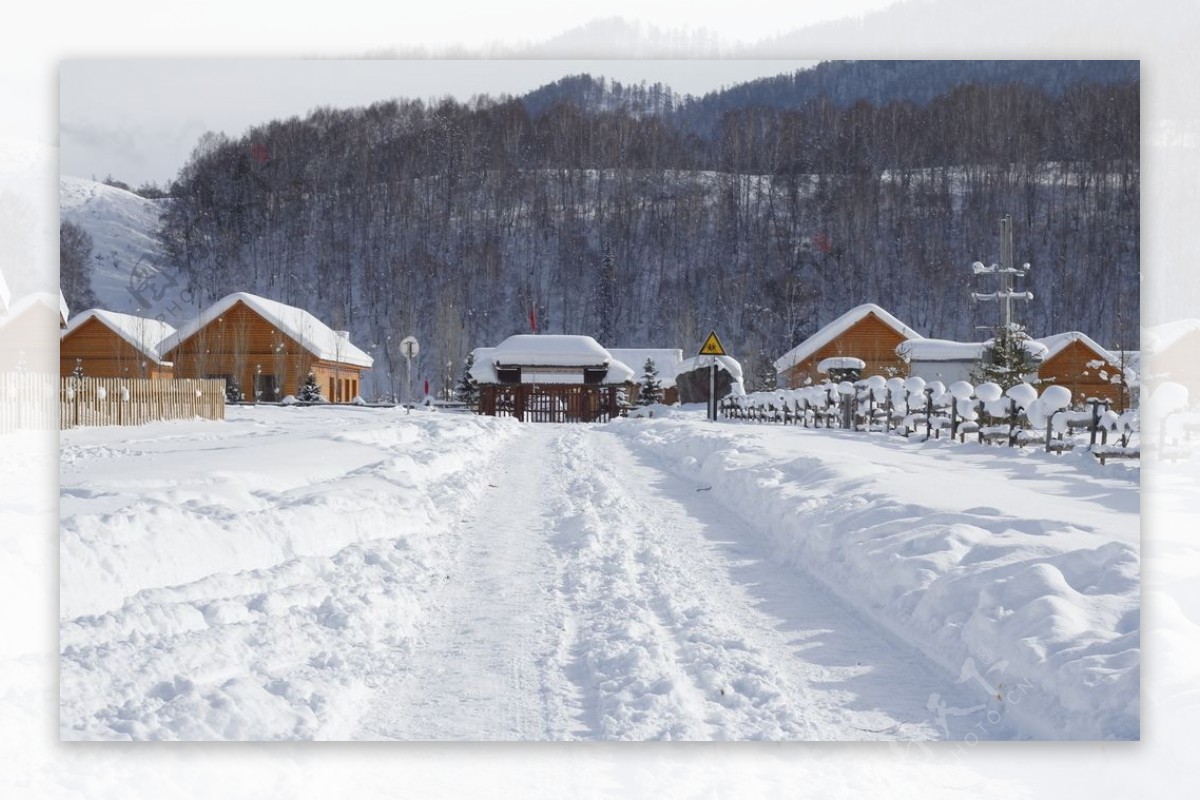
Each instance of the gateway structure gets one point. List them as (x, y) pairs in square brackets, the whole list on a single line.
[(550, 378)]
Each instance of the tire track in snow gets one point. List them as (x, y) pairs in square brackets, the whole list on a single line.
[(484, 666), (690, 633)]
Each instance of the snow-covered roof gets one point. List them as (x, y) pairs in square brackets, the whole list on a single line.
[(939, 350), (666, 361), (548, 359), (550, 350), (1162, 336), (728, 363), (143, 333), (4, 296), (64, 313), (1056, 342), (312, 334), (27, 302), (838, 327)]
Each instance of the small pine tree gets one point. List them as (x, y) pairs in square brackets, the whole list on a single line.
[(651, 391), (309, 391), (1007, 360), (233, 392), (467, 390)]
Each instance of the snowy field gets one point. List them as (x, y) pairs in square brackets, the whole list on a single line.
[(352, 573)]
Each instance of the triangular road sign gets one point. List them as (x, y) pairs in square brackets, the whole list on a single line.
[(712, 346)]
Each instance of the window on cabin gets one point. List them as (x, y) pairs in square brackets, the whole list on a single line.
[(508, 375)]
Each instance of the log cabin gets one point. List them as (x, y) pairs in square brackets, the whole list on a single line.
[(866, 332), (265, 350), (29, 332), (1075, 361), (105, 344)]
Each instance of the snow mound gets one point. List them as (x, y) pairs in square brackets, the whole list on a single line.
[(1038, 614)]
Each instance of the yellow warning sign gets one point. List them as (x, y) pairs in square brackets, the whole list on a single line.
[(712, 346)]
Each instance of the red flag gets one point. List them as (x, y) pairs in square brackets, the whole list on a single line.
[(426, 386), (533, 319), (259, 153)]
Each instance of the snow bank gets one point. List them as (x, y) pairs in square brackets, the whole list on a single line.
[(251, 579), (1017, 572)]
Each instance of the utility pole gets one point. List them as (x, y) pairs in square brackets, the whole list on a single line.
[(1006, 271)]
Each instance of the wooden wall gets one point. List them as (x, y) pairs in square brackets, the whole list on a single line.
[(1069, 368), (243, 345), (105, 354), (870, 339)]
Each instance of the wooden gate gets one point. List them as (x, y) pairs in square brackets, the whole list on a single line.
[(550, 403)]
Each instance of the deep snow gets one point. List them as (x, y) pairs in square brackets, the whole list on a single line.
[(368, 574)]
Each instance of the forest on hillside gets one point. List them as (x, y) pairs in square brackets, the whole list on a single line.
[(631, 216)]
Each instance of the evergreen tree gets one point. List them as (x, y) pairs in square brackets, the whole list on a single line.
[(74, 266), (651, 391), (309, 391), (467, 390), (233, 391), (1006, 359)]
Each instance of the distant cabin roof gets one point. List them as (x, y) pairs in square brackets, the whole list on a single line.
[(43, 300), (547, 352), (312, 334), (838, 327), (1057, 342), (1162, 336), (666, 362), (143, 333)]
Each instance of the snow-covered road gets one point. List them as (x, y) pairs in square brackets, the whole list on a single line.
[(597, 597), (444, 577)]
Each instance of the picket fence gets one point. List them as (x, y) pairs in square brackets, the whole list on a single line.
[(27, 401), (131, 402)]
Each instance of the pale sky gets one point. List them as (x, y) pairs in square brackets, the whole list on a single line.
[(133, 105), (138, 120)]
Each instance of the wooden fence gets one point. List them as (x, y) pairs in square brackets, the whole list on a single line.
[(134, 401), (880, 405), (27, 402)]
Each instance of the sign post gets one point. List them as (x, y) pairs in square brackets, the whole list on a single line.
[(712, 347), (409, 347)]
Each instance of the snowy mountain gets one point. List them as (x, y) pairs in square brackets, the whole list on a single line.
[(128, 273)]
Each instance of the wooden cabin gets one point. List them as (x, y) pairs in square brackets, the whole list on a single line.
[(866, 332), (29, 333), (265, 350), (1169, 355), (1074, 360), (106, 344), (550, 378)]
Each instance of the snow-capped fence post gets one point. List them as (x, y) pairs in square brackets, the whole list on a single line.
[(1095, 426), (928, 412), (1012, 422)]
